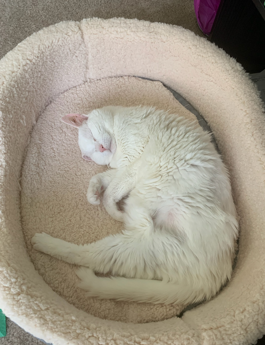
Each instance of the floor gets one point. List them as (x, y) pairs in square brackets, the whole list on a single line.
[(19, 19)]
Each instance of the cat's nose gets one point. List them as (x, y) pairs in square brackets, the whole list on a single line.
[(102, 148)]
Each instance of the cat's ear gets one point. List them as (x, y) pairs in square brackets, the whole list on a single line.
[(74, 120)]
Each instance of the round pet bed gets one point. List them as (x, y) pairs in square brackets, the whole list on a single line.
[(73, 67)]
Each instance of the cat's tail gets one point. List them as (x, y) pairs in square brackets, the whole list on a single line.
[(137, 290)]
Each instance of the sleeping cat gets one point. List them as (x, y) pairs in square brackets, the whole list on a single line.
[(179, 217)]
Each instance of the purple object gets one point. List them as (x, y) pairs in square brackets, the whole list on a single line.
[(206, 11)]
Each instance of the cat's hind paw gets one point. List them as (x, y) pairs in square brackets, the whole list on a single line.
[(44, 243)]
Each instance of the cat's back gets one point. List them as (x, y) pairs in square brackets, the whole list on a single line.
[(182, 161), (175, 139)]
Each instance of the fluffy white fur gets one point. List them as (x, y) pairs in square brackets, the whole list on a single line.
[(179, 217)]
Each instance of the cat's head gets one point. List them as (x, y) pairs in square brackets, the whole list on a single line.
[(95, 139)]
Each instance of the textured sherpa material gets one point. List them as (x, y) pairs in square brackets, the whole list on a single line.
[(69, 54)]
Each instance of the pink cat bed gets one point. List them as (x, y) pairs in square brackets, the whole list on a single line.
[(74, 67)]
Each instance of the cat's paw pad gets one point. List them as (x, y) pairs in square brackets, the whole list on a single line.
[(44, 243), (88, 280), (93, 193)]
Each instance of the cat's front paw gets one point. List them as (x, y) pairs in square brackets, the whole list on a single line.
[(44, 243), (88, 280), (111, 207), (94, 191)]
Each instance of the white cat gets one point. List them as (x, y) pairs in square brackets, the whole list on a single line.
[(179, 217)]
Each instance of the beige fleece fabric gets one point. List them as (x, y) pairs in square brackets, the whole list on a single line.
[(72, 56)]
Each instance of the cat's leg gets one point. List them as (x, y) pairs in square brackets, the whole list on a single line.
[(98, 184), (134, 252), (60, 249), (133, 255), (125, 254), (118, 189), (130, 253), (146, 254)]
